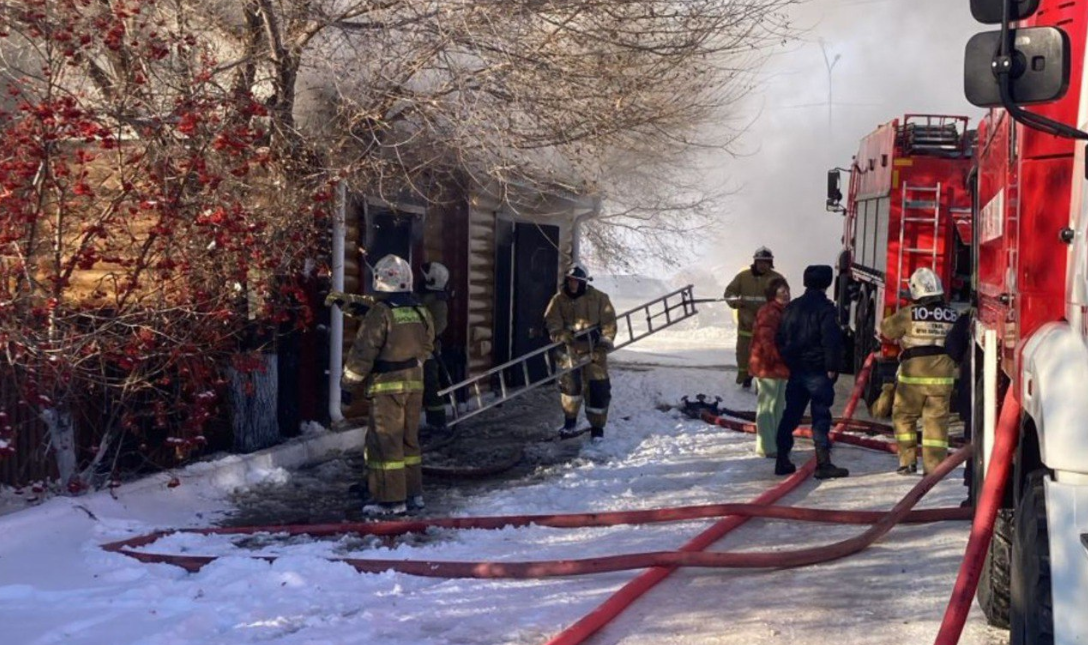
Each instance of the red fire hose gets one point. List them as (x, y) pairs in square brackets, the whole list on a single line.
[(661, 564), (982, 529), (626, 562)]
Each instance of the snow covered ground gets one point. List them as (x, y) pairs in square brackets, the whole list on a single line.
[(57, 586)]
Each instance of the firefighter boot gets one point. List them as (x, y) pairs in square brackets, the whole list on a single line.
[(825, 469), (596, 435), (379, 509), (569, 428), (783, 465)]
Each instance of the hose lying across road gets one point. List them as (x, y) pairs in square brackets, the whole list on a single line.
[(659, 563)]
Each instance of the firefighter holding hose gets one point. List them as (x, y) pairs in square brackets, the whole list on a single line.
[(926, 372), (746, 294)]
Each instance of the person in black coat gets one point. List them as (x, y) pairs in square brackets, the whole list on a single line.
[(958, 344), (810, 341)]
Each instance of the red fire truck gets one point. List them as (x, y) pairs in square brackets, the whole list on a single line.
[(907, 207), (1031, 328)]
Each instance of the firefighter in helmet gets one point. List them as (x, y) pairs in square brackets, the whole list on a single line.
[(578, 307), (435, 298), (926, 372), (395, 337), (746, 294)]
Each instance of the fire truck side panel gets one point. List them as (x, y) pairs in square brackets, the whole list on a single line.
[(873, 163), (875, 217), (1045, 193), (1033, 293)]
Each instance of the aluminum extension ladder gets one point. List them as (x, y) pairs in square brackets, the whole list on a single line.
[(491, 388), (920, 206)]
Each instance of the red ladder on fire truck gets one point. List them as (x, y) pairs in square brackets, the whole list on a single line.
[(921, 207)]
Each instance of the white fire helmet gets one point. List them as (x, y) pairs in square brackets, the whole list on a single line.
[(763, 253), (924, 283), (392, 274), (578, 272), (435, 275)]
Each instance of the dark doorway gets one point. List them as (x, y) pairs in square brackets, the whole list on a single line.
[(387, 231), (533, 261)]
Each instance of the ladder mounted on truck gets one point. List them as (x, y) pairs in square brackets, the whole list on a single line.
[(921, 207), (492, 388)]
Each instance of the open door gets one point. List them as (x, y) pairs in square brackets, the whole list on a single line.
[(526, 275), (536, 274), (389, 231)]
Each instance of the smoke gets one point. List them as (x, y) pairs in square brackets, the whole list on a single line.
[(895, 57)]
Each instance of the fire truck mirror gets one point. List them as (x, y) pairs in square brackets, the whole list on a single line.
[(1040, 67), (989, 12), (834, 190)]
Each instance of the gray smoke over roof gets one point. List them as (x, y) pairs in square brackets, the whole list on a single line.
[(895, 57)]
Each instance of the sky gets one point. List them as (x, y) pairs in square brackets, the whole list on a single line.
[(895, 57)]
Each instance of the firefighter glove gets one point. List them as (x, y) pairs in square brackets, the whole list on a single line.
[(346, 397), (564, 336), (335, 298)]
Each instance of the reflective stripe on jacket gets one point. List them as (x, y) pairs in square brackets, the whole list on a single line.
[(923, 326), (392, 332)]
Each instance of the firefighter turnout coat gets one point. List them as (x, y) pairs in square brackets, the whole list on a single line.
[(924, 380), (566, 315), (747, 294), (386, 359)]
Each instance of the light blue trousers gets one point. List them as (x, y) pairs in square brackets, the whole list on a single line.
[(771, 404)]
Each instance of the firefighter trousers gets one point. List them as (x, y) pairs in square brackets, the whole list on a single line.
[(393, 457), (433, 404), (744, 349), (591, 384), (930, 403)]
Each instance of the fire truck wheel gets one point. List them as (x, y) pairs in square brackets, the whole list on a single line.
[(1031, 614), (993, 583)]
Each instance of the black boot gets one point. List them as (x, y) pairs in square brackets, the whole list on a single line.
[(783, 465), (825, 469)]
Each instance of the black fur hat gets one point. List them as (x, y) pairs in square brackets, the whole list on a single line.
[(818, 276)]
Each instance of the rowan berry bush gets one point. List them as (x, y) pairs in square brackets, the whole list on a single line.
[(147, 227)]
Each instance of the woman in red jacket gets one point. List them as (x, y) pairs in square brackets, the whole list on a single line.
[(767, 366)]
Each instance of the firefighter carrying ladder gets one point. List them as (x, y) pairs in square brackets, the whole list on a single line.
[(921, 207), (492, 388)]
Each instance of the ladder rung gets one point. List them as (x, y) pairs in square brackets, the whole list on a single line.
[(918, 189), (929, 250), (927, 220), (482, 386), (915, 204)]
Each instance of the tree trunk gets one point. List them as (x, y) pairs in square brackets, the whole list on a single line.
[(254, 406), (62, 438)]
